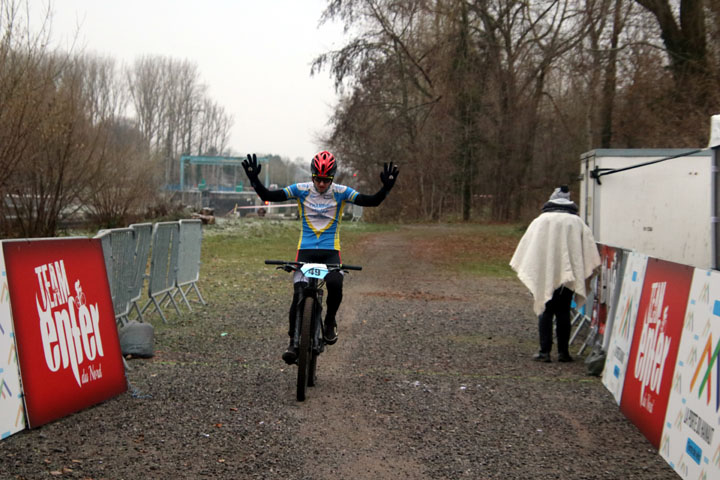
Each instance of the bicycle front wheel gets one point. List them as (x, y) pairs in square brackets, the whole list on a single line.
[(312, 376), (305, 348)]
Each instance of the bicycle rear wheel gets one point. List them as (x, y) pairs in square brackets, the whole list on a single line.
[(305, 348)]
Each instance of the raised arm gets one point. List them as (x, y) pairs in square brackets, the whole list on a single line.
[(252, 170), (388, 177)]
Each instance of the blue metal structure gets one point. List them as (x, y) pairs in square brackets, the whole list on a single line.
[(216, 160)]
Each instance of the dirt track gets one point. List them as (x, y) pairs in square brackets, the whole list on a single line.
[(431, 379)]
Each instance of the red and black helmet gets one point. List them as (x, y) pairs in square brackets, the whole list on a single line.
[(323, 165)]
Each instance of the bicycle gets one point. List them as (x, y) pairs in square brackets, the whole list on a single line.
[(308, 335)]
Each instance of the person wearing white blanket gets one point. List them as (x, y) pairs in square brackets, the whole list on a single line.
[(556, 258)]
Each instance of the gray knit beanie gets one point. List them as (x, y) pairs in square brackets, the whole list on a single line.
[(560, 193)]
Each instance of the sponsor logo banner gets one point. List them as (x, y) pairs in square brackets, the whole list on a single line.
[(658, 328), (690, 440), (64, 321), (12, 412), (623, 324)]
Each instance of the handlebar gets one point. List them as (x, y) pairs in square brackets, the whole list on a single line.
[(345, 266), (331, 266)]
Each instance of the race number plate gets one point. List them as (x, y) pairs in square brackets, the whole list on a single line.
[(314, 270)]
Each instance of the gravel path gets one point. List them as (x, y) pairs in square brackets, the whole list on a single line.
[(432, 378)]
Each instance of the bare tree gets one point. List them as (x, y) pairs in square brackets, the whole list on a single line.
[(214, 131), (174, 111), (67, 144), (128, 178), (685, 40), (684, 27), (126, 172), (389, 70), (23, 73), (451, 83), (524, 42), (145, 84), (57, 167)]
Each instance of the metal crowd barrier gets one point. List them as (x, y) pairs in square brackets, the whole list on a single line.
[(119, 253), (143, 237), (126, 255), (188, 272), (357, 212), (174, 265), (163, 266), (581, 320)]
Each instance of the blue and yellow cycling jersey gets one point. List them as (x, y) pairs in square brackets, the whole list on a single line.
[(321, 213)]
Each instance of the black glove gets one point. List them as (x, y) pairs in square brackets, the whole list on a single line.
[(389, 175), (252, 169)]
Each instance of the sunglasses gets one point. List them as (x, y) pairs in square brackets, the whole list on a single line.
[(322, 179)]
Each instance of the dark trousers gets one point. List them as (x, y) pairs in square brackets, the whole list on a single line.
[(559, 308), (333, 283)]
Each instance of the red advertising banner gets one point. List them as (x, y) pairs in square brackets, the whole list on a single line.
[(67, 341), (656, 339)]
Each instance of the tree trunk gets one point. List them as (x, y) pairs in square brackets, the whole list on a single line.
[(686, 44), (466, 113), (609, 85)]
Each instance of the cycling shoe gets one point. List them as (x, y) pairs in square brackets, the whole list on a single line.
[(290, 355), (330, 335)]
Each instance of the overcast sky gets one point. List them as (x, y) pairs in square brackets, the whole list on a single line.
[(254, 55)]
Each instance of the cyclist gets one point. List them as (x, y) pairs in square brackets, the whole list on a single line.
[(320, 205)]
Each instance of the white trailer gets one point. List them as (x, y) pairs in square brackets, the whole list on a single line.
[(664, 207)]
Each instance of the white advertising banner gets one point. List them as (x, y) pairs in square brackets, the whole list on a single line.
[(623, 324), (12, 410), (690, 443)]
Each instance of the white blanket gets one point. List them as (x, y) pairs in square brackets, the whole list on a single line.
[(557, 249)]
